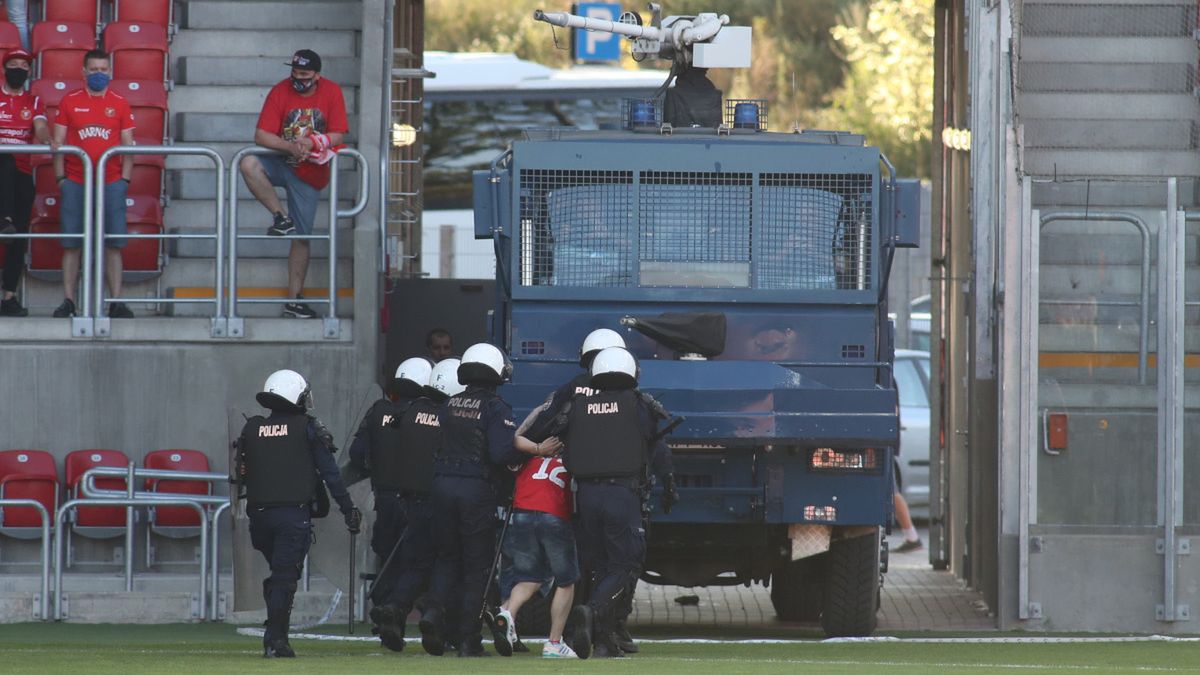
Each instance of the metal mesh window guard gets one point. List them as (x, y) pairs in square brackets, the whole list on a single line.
[(816, 231), (1115, 20), (695, 228)]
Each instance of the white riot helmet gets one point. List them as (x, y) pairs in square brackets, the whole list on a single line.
[(412, 376), (285, 390), (614, 368), (485, 364), (601, 338), (444, 380)]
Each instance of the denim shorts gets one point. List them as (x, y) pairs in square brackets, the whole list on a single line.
[(301, 197), (541, 546), (71, 212)]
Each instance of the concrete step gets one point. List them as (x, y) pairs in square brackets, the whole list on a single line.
[(1063, 164), (258, 70), (262, 248), (1108, 106), (249, 308), (293, 15), (200, 184), (204, 128), (1133, 78), (1117, 50), (1110, 135), (252, 217), (281, 46), (195, 98)]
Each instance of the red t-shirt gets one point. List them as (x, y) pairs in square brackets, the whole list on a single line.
[(17, 113), (94, 123), (290, 116), (543, 484)]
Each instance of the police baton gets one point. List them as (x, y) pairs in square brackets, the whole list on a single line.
[(483, 613), (661, 433), (353, 577), (387, 561)]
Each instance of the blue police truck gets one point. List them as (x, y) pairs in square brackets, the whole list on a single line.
[(747, 270)]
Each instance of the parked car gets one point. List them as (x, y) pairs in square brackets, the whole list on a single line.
[(912, 382)]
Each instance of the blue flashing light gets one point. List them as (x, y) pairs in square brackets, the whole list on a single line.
[(745, 116), (641, 114)]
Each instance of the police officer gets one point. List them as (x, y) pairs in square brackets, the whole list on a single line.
[(611, 440), (443, 381), (476, 444), (282, 460), (550, 415), (394, 444)]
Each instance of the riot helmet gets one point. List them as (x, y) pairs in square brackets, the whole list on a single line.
[(484, 364), (412, 376), (615, 368), (443, 382), (285, 391), (601, 338)]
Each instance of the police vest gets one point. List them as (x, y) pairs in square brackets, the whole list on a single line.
[(605, 438), (402, 451), (279, 464), (464, 438)]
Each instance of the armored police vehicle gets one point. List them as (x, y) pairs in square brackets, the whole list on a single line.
[(747, 271)]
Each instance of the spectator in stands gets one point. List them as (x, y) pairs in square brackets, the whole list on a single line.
[(94, 119), (438, 344), (22, 121), (18, 15), (304, 117)]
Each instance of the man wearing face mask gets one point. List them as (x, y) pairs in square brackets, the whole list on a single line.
[(304, 116), (22, 121), (94, 119)]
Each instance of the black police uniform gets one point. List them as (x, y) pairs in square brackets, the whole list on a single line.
[(282, 460), (476, 443), (609, 444), (395, 445)]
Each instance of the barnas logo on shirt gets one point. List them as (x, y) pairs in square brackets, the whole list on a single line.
[(94, 132)]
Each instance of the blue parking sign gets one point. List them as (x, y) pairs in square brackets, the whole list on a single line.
[(595, 45)]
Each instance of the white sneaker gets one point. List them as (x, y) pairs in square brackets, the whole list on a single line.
[(557, 650), (512, 625)]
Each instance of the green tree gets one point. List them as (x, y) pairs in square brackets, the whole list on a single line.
[(888, 92)]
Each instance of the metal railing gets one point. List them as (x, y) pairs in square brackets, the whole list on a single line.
[(332, 330), (44, 612), (66, 508), (1144, 298), (81, 325), (218, 234)]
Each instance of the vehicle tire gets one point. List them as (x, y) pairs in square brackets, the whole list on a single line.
[(534, 618), (796, 589), (852, 587)]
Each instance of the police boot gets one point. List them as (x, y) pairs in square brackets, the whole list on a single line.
[(390, 620), (472, 647), (275, 641), (432, 627), (606, 647), (623, 639), (579, 630)]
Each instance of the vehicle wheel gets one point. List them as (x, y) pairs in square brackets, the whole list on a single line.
[(852, 587), (796, 589), (534, 618)]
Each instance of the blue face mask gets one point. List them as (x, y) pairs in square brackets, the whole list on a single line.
[(97, 81)]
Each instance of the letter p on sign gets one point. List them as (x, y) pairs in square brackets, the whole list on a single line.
[(596, 45)]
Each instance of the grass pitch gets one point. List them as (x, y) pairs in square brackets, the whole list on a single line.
[(194, 649)]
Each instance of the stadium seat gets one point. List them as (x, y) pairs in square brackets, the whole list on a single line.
[(175, 522), (52, 90), (60, 46), (149, 11), (94, 522), (148, 100), (27, 474), (142, 257), (10, 37), (139, 50), (81, 11), (45, 208), (147, 176), (44, 256)]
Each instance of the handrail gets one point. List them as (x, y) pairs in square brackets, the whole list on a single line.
[(60, 519), (218, 328), (45, 601), (1144, 230), (84, 327), (331, 321), (87, 483), (215, 578)]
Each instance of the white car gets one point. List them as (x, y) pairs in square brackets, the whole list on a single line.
[(912, 381)]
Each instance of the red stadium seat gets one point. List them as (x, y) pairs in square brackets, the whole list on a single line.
[(44, 256), (60, 46), (148, 100), (10, 37), (150, 11), (143, 210), (139, 50), (177, 460), (52, 90), (27, 474), (143, 255), (96, 517), (83, 11), (45, 208), (147, 176)]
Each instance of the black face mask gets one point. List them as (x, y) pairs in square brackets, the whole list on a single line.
[(15, 77), (302, 86)]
